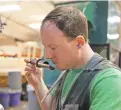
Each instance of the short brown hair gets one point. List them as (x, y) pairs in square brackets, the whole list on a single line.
[(71, 21)]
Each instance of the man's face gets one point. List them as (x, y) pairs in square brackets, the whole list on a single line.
[(62, 51)]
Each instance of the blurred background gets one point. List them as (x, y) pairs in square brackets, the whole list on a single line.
[(20, 22)]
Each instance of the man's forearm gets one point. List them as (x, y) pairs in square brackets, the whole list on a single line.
[(41, 91)]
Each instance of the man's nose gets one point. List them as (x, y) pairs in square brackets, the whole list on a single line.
[(49, 54)]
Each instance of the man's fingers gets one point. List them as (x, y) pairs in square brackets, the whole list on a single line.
[(28, 73), (28, 69), (30, 65), (28, 76), (27, 60), (32, 61)]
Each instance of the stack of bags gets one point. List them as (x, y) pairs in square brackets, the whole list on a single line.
[(10, 96)]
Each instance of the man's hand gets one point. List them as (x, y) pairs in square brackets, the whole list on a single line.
[(33, 73)]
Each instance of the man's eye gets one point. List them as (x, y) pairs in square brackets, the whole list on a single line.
[(53, 48)]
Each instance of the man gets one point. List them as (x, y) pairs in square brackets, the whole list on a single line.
[(90, 82)]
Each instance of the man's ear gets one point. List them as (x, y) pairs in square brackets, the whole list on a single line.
[(80, 41)]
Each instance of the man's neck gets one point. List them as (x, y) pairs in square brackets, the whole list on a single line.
[(86, 55)]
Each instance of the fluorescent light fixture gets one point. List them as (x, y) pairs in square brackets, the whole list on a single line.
[(114, 19), (8, 8), (112, 36), (35, 25), (37, 17), (10, 49), (31, 43), (9, 0)]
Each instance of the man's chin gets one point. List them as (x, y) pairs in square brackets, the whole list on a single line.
[(60, 68)]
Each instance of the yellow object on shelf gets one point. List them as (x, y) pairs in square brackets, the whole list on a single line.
[(3, 81)]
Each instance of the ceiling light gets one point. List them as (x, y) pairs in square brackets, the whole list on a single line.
[(35, 25), (8, 8), (37, 17), (114, 19), (30, 43), (112, 36), (9, 0)]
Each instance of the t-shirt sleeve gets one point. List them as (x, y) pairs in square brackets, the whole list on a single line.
[(105, 93)]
